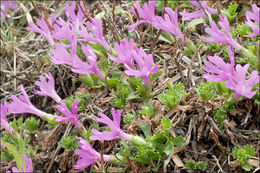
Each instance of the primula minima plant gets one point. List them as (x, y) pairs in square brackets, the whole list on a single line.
[(29, 166), (78, 42), (47, 88), (253, 16), (22, 104), (199, 13), (4, 122)]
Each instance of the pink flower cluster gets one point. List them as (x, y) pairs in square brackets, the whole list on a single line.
[(236, 77), (87, 155), (72, 117), (128, 54), (199, 13), (76, 33), (218, 36), (169, 23)]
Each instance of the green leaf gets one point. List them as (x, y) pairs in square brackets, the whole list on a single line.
[(206, 91), (173, 95), (129, 118), (220, 115), (196, 166), (100, 15), (125, 150), (145, 127), (194, 23), (166, 123), (148, 109), (18, 157), (179, 141), (69, 142), (156, 75), (169, 147), (31, 124), (247, 167)]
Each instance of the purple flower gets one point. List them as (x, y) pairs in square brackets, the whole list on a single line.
[(75, 19), (60, 55), (147, 14), (87, 155), (240, 85), (29, 166), (199, 13), (218, 36), (82, 67), (63, 31), (145, 64), (114, 126), (124, 50), (253, 16), (22, 104), (5, 5), (223, 71), (4, 123), (95, 26), (47, 88), (72, 117), (43, 28), (170, 23)]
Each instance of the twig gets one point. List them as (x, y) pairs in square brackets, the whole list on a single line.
[(86, 13), (178, 65), (102, 156), (14, 71), (191, 64), (160, 31), (114, 21), (58, 148), (112, 27), (37, 10), (208, 15), (140, 26), (217, 162), (132, 164), (46, 16)]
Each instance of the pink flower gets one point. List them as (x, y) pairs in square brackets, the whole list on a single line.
[(147, 14), (4, 122), (199, 13), (124, 51), (87, 155), (170, 23), (223, 71), (218, 36), (47, 88), (29, 166), (91, 67), (95, 26), (72, 117), (63, 31), (42, 28), (60, 55), (75, 19), (22, 104), (114, 126), (253, 16), (240, 85), (5, 5), (145, 64)]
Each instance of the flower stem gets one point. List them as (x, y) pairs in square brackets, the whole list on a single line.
[(252, 59)]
